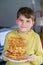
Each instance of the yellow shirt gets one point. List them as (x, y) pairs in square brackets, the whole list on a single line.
[(33, 43)]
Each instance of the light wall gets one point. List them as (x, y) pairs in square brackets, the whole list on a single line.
[(8, 10)]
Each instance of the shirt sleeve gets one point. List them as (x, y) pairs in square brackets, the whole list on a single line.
[(6, 46), (38, 52)]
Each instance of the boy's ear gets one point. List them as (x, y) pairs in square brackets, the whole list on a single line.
[(16, 21), (33, 23)]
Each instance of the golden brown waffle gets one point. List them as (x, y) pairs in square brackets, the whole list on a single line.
[(17, 49)]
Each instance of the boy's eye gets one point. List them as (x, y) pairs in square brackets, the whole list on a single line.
[(28, 21), (21, 20)]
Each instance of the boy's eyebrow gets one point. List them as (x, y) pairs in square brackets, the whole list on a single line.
[(20, 19)]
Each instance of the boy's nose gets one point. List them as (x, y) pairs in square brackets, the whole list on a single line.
[(24, 23)]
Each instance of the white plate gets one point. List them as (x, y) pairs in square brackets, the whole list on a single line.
[(13, 59)]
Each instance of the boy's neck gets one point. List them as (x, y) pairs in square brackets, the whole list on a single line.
[(23, 32)]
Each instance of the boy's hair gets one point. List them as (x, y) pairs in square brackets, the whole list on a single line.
[(26, 11)]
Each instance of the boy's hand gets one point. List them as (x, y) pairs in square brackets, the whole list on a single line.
[(30, 57)]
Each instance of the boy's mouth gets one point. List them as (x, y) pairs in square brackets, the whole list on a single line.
[(23, 27)]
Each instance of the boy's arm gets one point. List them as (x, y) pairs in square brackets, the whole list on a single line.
[(38, 58), (6, 46)]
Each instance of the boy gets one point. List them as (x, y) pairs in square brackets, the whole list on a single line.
[(24, 21)]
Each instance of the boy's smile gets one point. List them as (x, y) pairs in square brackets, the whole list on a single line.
[(24, 24)]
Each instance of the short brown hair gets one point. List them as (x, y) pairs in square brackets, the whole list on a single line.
[(26, 11)]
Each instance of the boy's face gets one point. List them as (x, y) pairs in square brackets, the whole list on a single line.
[(24, 24)]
